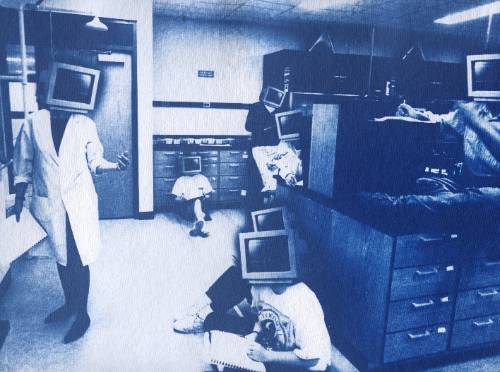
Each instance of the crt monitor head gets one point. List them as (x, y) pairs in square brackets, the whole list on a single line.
[(289, 124), (270, 219), (268, 257), (272, 97), (191, 165)]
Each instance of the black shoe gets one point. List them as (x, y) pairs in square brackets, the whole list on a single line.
[(202, 234), (60, 314), (78, 329), (4, 331), (207, 217)]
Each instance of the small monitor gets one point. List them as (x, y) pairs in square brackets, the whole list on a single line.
[(191, 164), (483, 76), (72, 87), (268, 257), (270, 219), (273, 97), (289, 124)]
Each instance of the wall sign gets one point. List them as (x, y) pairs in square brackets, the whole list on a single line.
[(206, 73)]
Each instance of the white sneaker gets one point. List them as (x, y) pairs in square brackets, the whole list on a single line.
[(191, 323)]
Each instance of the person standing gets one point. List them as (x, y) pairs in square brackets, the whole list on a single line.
[(58, 152)]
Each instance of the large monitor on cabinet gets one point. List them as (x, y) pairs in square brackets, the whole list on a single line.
[(483, 76)]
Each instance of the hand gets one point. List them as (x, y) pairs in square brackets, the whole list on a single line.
[(123, 161), (256, 352), (251, 336), (290, 180), (406, 110)]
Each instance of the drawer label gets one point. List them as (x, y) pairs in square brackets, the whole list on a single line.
[(243, 192), (450, 268), (441, 330)]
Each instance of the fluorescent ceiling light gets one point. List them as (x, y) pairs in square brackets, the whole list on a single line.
[(314, 5), (468, 15)]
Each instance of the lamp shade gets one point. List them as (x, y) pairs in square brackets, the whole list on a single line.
[(96, 25)]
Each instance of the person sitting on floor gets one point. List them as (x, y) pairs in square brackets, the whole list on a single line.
[(191, 191), (285, 321)]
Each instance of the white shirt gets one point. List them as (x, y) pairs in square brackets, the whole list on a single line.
[(297, 319)]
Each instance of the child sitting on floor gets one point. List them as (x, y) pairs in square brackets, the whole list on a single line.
[(191, 190)]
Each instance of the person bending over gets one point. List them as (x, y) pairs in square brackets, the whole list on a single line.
[(192, 191)]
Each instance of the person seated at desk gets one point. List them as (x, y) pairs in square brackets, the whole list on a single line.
[(475, 187), (191, 191)]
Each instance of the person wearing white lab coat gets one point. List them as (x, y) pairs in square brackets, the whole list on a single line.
[(58, 151)]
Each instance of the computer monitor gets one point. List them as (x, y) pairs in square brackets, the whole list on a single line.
[(191, 164), (289, 124), (483, 76), (72, 87), (268, 257), (270, 219), (272, 97)]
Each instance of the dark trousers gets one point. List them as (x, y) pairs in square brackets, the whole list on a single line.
[(227, 291), (75, 278)]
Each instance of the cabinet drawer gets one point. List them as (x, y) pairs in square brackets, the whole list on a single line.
[(165, 157), (208, 153), (233, 169), (166, 171), (163, 184), (210, 169), (421, 281), (475, 331), (214, 181), (419, 312), (210, 159), (416, 250), (233, 155), (484, 272), (478, 302), (414, 343), (233, 182), (230, 195)]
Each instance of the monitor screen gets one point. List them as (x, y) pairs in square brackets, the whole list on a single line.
[(483, 76), (191, 164), (273, 97), (73, 86), (486, 75), (270, 219), (289, 124), (268, 256)]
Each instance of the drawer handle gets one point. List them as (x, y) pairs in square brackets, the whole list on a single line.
[(414, 336), (427, 240), (491, 293), (486, 323), (234, 152), (233, 190), (434, 271), (492, 263), (169, 166), (418, 305), (234, 178), (234, 165)]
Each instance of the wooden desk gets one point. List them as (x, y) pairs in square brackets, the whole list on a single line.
[(392, 297)]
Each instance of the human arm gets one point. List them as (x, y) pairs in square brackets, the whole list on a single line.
[(258, 353), (107, 166)]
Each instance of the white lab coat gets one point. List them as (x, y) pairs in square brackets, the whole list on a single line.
[(62, 183)]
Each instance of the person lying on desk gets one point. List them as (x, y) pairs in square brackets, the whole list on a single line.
[(473, 190)]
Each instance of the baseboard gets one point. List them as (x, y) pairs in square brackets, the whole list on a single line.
[(145, 215)]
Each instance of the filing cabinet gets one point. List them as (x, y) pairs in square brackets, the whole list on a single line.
[(225, 168), (391, 296)]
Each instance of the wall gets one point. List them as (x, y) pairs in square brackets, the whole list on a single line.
[(142, 13)]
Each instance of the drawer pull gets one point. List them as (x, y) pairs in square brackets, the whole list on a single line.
[(434, 271), (492, 263), (493, 292), (169, 166), (486, 323), (427, 240), (414, 336), (231, 190), (234, 152), (234, 178), (418, 305), (233, 165)]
